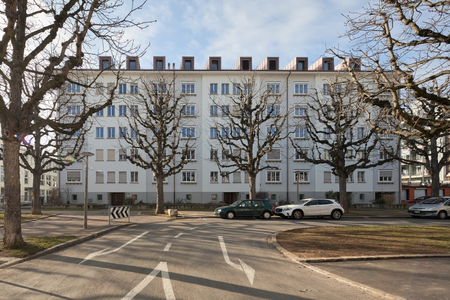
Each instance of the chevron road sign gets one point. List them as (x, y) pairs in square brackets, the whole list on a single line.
[(119, 212)]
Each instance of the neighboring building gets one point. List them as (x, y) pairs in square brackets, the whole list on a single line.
[(113, 179), (48, 182)]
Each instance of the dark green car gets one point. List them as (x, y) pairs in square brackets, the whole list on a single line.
[(246, 208)]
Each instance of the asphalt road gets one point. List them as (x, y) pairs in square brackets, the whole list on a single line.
[(202, 258)]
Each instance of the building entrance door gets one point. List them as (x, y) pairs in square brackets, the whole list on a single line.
[(229, 198), (117, 199)]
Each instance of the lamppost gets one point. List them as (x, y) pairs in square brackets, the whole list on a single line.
[(86, 154)]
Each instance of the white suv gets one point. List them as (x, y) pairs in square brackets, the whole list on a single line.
[(313, 207)]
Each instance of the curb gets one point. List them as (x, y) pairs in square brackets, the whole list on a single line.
[(272, 240), (62, 246)]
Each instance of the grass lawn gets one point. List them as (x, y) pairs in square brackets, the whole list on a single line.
[(34, 245), (366, 240)]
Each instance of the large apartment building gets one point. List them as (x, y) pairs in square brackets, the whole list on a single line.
[(112, 178)]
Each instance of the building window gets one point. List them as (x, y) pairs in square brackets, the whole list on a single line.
[(132, 64), (159, 88), (301, 88), (326, 154), (133, 88), (99, 88), (300, 65), (327, 177), (298, 153), (188, 176), (213, 112), (99, 154), (326, 133), (122, 154), (213, 88), (111, 132), (188, 88), (274, 154), (272, 131), (326, 66), (133, 133), (361, 176), (385, 176), (74, 198), (214, 177), (326, 89), (99, 177), (122, 132), (349, 154), (99, 132), (99, 113), (111, 155), (225, 154), (350, 177), (225, 89), (74, 110), (213, 154), (273, 176), (99, 197), (134, 154), (236, 89), (302, 176), (273, 88), (384, 153), (111, 111), (73, 176), (134, 110), (188, 110), (73, 88), (25, 176), (187, 64), (122, 177), (225, 110), (188, 132), (122, 88), (215, 64), (301, 133), (349, 133), (111, 177), (122, 110), (190, 154), (301, 111), (213, 197), (359, 155), (134, 177), (225, 177), (273, 110), (213, 133), (237, 177), (360, 132)]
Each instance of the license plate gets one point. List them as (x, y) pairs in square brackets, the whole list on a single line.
[(417, 212)]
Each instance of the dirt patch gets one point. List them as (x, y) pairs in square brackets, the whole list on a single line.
[(366, 240)]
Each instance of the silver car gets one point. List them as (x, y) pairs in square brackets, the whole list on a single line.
[(431, 207), (317, 207)]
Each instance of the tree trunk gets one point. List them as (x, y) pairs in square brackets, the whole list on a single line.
[(252, 185), (36, 201), (343, 191), (160, 194), (12, 230), (434, 167)]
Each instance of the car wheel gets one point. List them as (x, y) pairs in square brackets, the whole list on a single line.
[(297, 214), (442, 215), (336, 214), (230, 215), (266, 215)]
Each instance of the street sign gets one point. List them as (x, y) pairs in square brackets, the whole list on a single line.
[(119, 212)]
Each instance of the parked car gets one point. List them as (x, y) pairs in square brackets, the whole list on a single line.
[(313, 207), (246, 208), (431, 207)]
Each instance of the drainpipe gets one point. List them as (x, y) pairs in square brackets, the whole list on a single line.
[(287, 138), (174, 176)]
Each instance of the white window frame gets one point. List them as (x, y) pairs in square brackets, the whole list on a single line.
[(187, 132), (301, 88), (188, 88), (385, 176), (189, 176), (301, 133), (301, 176), (188, 110), (73, 88), (274, 155), (273, 176), (134, 177), (273, 88), (361, 176), (213, 88), (73, 176), (300, 111), (214, 177)]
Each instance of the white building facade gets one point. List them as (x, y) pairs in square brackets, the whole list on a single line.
[(112, 178)]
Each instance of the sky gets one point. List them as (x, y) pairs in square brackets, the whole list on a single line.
[(235, 28)]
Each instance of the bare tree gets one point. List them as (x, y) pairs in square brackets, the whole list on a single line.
[(42, 42), (161, 136), (335, 132), (252, 121), (404, 46)]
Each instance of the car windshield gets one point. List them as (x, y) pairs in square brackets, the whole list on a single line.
[(236, 203), (433, 201)]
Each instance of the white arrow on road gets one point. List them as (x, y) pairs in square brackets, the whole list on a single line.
[(167, 286), (249, 271), (104, 251)]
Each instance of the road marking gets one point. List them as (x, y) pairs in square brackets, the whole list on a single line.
[(178, 235), (167, 247), (249, 271), (193, 228), (167, 286), (104, 251)]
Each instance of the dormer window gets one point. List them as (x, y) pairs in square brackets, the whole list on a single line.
[(300, 65), (159, 62), (215, 64), (272, 64), (245, 65), (105, 62), (326, 66), (187, 63)]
